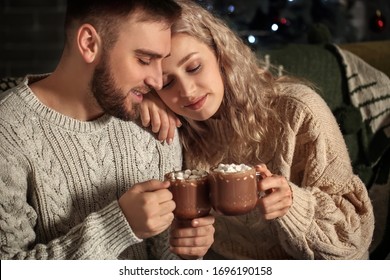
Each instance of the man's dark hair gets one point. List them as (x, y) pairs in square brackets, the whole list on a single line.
[(105, 15)]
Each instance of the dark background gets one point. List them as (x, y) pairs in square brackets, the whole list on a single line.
[(31, 31)]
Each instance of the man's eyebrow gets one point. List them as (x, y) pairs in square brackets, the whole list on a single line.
[(149, 53)]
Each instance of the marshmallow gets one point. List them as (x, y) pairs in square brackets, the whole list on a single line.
[(232, 168), (187, 174)]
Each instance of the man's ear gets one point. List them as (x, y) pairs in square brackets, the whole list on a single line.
[(88, 42)]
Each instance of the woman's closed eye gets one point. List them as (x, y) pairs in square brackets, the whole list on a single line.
[(167, 81), (194, 69)]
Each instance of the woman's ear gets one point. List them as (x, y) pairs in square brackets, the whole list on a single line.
[(88, 42)]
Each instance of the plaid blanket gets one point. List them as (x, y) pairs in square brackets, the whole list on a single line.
[(369, 92)]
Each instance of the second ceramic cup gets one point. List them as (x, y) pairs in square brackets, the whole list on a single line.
[(233, 189)]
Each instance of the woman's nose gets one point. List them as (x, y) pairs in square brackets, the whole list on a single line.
[(187, 88)]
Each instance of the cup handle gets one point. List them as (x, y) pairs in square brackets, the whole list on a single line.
[(182, 223), (260, 176)]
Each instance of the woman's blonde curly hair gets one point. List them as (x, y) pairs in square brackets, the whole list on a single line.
[(249, 94)]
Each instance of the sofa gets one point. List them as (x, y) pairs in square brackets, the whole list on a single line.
[(328, 67)]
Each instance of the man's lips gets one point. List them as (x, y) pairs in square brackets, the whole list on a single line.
[(197, 104), (138, 94)]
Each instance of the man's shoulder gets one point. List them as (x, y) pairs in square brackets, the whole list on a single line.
[(148, 136), (11, 87), (9, 83), (7, 99)]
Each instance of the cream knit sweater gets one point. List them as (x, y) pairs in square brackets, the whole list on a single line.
[(331, 216), (60, 180)]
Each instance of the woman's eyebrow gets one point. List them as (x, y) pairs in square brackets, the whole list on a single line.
[(184, 59)]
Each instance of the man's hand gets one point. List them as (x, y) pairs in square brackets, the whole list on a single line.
[(148, 208), (192, 240)]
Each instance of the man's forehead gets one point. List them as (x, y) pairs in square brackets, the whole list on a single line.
[(146, 38), (140, 16)]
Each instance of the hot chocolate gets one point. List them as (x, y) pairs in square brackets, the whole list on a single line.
[(233, 189), (190, 190)]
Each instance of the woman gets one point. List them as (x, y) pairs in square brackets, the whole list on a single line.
[(233, 110)]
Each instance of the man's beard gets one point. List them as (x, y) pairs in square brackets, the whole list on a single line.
[(109, 97)]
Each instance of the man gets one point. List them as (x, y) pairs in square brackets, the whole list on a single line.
[(71, 159)]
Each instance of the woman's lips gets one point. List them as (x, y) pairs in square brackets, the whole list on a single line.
[(197, 104)]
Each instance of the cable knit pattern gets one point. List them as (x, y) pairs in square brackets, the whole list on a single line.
[(331, 216), (60, 180)]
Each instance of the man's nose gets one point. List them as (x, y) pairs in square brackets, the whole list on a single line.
[(155, 78)]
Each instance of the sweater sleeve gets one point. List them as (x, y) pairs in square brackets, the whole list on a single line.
[(159, 246), (331, 216), (102, 235)]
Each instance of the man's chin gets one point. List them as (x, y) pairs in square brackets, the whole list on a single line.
[(130, 115)]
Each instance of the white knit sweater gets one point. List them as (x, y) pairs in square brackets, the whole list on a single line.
[(60, 180), (331, 216)]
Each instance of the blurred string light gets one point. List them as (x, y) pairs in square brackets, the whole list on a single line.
[(231, 9), (282, 22), (251, 39), (207, 4), (378, 23), (289, 19), (210, 7)]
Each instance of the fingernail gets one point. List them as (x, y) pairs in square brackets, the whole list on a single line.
[(169, 141)]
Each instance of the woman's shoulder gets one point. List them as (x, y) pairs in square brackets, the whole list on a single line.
[(299, 103), (297, 92), (302, 97)]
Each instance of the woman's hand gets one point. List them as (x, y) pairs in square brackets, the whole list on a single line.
[(192, 240), (160, 117), (278, 195)]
